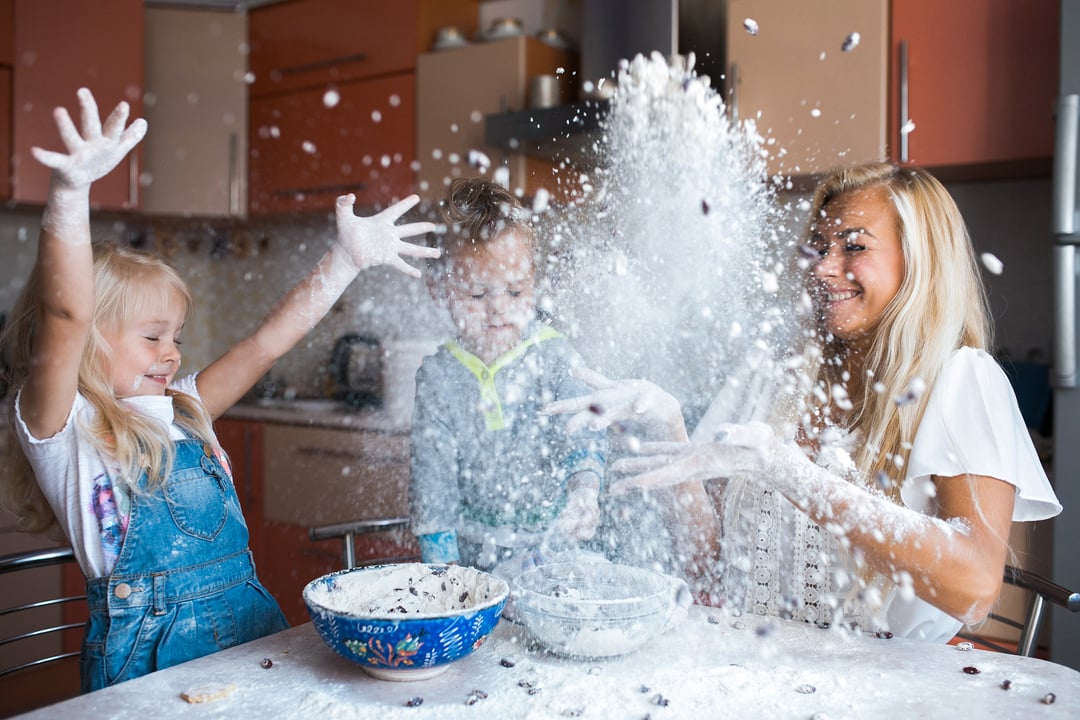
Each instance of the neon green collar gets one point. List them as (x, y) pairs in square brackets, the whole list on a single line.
[(490, 403)]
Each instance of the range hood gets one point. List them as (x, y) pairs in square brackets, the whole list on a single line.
[(563, 132), (612, 30)]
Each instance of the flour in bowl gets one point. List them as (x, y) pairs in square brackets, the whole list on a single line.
[(413, 590)]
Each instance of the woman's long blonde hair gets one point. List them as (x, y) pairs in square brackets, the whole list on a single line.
[(941, 305), (126, 282)]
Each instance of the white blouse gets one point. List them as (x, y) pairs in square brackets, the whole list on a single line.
[(775, 560)]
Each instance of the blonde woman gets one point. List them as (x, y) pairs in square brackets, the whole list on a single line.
[(882, 493), (116, 448)]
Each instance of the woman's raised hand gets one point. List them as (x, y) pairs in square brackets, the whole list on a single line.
[(639, 404), (95, 150)]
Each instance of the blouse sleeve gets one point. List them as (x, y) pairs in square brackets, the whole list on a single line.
[(972, 425)]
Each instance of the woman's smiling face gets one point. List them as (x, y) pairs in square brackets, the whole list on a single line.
[(861, 265)]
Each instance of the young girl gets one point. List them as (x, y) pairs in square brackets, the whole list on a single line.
[(902, 458), (116, 449)]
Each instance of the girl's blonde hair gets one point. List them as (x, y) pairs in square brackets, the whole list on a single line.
[(941, 305), (126, 284)]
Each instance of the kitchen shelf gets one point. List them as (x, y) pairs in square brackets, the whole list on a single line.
[(563, 132)]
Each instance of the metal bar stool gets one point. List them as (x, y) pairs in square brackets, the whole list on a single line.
[(348, 531)]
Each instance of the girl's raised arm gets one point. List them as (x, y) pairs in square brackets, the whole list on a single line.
[(63, 275), (362, 242)]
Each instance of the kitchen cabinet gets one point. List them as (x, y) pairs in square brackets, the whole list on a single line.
[(292, 477), (332, 98), (59, 47), (304, 154), (981, 78), (243, 442), (195, 151), (456, 88), (815, 104)]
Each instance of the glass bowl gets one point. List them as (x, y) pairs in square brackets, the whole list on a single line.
[(596, 610)]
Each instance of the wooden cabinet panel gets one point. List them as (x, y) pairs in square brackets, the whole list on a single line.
[(244, 444), (318, 476), (982, 80), (195, 151), (61, 46), (7, 32), (305, 43), (305, 153), (817, 105), (5, 131), (456, 88)]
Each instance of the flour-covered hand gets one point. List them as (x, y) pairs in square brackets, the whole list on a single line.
[(376, 240), (736, 449), (95, 150), (633, 402)]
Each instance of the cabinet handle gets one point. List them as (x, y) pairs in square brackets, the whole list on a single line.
[(322, 189), (1065, 221), (733, 92), (318, 65), (370, 459), (904, 79), (234, 175), (133, 180)]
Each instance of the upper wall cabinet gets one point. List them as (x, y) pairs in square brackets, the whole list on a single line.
[(195, 151), (980, 79), (450, 112), (332, 98), (815, 90), (61, 46)]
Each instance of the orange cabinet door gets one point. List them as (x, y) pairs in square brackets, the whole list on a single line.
[(61, 46), (308, 147), (817, 104), (981, 80), (310, 42), (243, 442)]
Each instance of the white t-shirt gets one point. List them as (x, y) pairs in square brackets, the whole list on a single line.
[(78, 480), (972, 425)]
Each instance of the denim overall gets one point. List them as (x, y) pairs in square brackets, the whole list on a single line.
[(184, 584)]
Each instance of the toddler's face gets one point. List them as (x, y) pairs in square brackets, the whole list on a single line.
[(492, 294), (146, 349)]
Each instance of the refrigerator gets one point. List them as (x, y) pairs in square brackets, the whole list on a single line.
[(1065, 648)]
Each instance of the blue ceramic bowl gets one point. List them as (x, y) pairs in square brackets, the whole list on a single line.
[(405, 621)]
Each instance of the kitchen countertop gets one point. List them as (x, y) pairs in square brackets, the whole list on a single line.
[(711, 665), (318, 412)]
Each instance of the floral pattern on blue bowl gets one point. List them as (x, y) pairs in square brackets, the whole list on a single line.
[(405, 621)]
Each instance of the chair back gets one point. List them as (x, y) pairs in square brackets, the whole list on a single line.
[(38, 664)]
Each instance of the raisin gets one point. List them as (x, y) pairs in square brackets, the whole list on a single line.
[(1048, 699), (507, 662), (414, 702), (1006, 684), (972, 670), (267, 663)]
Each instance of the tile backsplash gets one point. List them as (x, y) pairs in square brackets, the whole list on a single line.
[(236, 274), (237, 271)]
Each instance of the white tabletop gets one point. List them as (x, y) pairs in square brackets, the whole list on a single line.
[(708, 667)]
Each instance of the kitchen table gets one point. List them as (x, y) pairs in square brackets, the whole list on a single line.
[(709, 666)]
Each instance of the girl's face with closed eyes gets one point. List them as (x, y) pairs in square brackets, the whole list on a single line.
[(145, 349), (861, 265), (492, 294)]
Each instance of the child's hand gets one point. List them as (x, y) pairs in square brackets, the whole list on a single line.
[(94, 153), (581, 516), (376, 240)]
